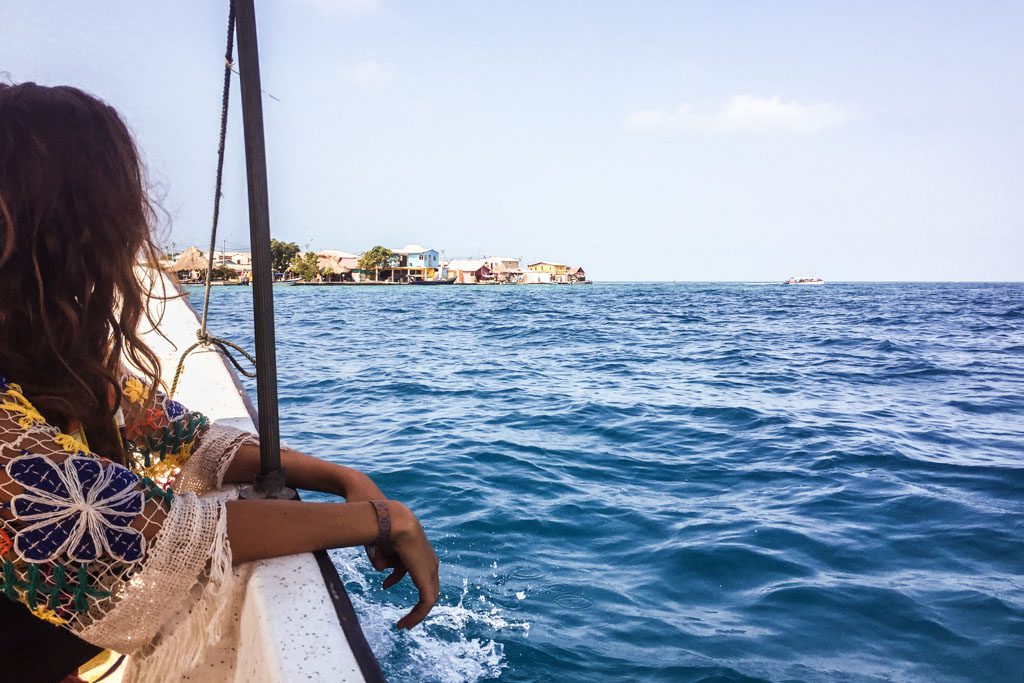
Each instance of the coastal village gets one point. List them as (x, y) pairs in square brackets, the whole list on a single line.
[(412, 264)]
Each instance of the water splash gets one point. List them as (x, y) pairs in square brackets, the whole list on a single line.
[(448, 647)]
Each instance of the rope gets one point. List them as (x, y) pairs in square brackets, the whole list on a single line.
[(205, 338), (222, 345), (225, 99)]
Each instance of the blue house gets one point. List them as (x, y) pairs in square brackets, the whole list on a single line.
[(418, 261)]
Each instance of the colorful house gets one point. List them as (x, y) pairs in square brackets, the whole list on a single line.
[(549, 267), (415, 260)]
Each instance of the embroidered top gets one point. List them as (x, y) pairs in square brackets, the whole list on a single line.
[(108, 551)]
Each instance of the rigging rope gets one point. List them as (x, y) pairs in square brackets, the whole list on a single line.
[(225, 100), (205, 338)]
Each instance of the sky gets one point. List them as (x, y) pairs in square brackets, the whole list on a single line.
[(642, 140)]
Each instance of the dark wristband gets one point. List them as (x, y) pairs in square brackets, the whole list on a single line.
[(383, 522)]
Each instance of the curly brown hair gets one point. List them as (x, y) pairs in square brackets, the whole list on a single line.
[(76, 223)]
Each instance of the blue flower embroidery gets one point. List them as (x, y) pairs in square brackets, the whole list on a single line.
[(173, 409), (78, 507)]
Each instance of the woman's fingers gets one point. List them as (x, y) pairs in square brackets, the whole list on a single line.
[(428, 588), (395, 577), (418, 614), (378, 558), (382, 556), (416, 557), (425, 578)]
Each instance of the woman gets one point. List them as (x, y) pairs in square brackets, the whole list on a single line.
[(102, 527)]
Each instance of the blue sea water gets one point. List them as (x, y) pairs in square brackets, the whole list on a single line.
[(678, 482)]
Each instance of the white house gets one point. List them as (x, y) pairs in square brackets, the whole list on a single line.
[(503, 264), (533, 277), (238, 261)]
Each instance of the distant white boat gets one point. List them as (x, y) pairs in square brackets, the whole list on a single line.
[(804, 281)]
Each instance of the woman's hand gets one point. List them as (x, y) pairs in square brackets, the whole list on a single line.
[(258, 529), (409, 551), (413, 555)]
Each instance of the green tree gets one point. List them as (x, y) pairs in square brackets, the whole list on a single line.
[(305, 266), (282, 254), (377, 259), (222, 272)]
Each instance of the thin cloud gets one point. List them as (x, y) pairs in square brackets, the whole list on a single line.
[(743, 113), (346, 8), (369, 74)]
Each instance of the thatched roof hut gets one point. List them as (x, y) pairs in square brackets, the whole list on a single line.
[(330, 265), (191, 259)]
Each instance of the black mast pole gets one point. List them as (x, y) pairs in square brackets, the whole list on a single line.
[(270, 482)]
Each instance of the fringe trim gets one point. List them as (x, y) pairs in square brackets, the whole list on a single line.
[(163, 586), (204, 470), (182, 644), (241, 439)]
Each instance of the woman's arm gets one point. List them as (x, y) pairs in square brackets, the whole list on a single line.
[(259, 529), (212, 455), (67, 511), (305, 472)]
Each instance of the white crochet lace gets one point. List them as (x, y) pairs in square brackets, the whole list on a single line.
[(180, 553), (204, 471)]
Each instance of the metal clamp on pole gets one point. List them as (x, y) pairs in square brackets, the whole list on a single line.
[(270, 482), (269, 485)]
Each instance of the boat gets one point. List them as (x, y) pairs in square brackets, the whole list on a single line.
[(340, 283), (804, 281), (421, 281)]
